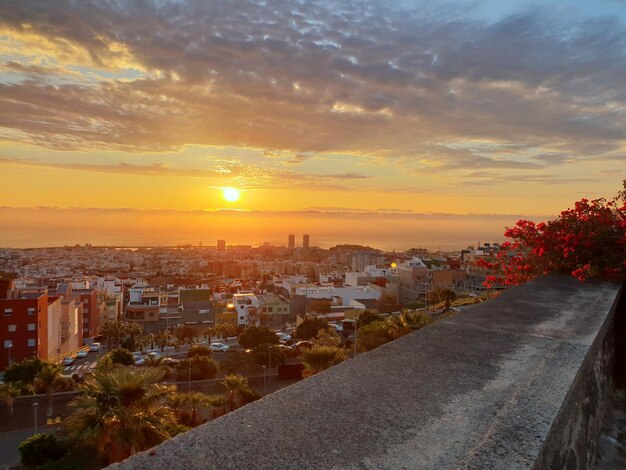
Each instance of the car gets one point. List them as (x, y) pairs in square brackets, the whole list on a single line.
[(219, 347), (169, 361), (283, 336), (94, 347), (338, 328), (82, 353), (139, 360), (153, 355), (300, 345), (68, 361)]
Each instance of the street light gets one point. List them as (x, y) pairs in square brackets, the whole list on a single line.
[(35, 405), (264, 379), (189, 376)]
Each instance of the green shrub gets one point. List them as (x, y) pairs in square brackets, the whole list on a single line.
[(40, 448), (122, 356), (23, 371), (202, 368), (255, 335), (198, 351)]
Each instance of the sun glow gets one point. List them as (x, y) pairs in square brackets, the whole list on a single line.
[(231, 194)]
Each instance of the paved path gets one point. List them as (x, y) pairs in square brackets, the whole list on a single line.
[(9, 442)]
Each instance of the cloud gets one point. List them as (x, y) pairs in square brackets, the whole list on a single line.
[(340, 76)]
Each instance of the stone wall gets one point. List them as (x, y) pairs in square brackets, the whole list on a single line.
[(516, 382)]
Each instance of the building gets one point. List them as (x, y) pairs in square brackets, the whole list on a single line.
[(292, 242), (145, 307), (273, 310), (221, 245), (305, 242), (32, 325), (246, 304)]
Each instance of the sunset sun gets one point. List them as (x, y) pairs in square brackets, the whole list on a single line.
[(231, 194)]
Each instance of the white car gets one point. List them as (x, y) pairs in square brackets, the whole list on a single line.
[(219, 347), (94, 347), (68, 361), (153, 355), (139, 360), (283, 336)]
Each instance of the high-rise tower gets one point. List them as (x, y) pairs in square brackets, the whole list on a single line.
[(305, 241), (292, 242)]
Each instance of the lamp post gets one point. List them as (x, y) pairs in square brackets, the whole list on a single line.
[(269, 378), (189, 376), (35, 405), (264, 379)]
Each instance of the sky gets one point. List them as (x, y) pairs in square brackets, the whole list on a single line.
[(400, 123)]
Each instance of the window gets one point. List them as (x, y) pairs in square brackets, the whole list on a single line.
[(32, 327), (31, 343), (8, 343), (31, 310), (8, 311), (85, 330), (241, 317), (85, 320), (12, 328)]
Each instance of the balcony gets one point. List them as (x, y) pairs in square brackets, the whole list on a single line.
[(517, 382)]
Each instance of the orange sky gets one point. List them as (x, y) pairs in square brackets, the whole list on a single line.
[(507, 111)]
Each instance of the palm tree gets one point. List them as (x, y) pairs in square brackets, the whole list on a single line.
[(121, 411), (7, 395), (218, 402), (177, 401), (46, 380), (235, 384), (196, 400)]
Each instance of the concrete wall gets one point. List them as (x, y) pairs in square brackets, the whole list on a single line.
[(514, 383)]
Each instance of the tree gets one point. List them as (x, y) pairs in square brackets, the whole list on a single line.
[(46, 380), (239, 362), (588, 241), (237, 389), (449, 296), (310, 327), (121, 412), (255, 335), (185, 334), (8, 394), (319, 307), (197, 368), (328, 337), (374, 334), (122, 356), (367, 317), (23, 371), (261, 355), (198, 351), (118, 331), (387, 303), (321, 358), (40, 449)]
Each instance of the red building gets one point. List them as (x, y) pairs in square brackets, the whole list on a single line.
[(21, 332), (91, 311)]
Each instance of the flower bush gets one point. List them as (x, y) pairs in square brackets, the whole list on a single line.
[(588, 241)]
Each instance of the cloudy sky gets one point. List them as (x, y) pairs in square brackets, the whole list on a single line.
[(317, 109)]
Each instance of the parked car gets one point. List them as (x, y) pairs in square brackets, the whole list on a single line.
[(153, 355), (94, 347), (283, 336), (300, 345), (139, 360), (69, 360), (169, 361), (219, 347), (82, 353)]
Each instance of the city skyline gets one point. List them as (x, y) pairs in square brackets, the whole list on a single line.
[(199, 116)]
